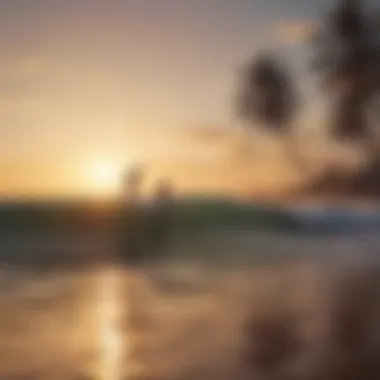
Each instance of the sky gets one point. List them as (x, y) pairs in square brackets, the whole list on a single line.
[(90, 83)]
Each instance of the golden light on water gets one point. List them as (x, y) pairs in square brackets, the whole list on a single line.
[(112, 348)]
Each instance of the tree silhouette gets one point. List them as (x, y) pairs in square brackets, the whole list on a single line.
[(348, 56), (347, 59), (268, 94), (268, 99)]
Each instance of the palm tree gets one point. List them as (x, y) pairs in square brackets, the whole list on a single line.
[(268, 94), (268, 98), (349, 59)]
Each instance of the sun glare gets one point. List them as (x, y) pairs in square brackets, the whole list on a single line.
[(105, 176)]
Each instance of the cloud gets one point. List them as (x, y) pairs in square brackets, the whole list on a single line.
[(295, 31)]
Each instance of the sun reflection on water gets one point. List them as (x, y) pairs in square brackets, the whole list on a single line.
[(112, 348)]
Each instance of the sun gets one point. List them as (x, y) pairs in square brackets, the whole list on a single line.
[(105, 176)]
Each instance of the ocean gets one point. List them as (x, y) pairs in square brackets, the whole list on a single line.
[(71, 311)]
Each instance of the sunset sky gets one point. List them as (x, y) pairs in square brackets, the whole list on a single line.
[(91, 83)]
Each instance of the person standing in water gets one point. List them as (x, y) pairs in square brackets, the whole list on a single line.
[(160, 219), (132, 227)]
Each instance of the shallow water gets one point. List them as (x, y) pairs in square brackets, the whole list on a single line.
[(182, 319)]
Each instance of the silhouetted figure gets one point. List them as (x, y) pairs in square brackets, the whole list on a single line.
[(160, 219), (132, 226)]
